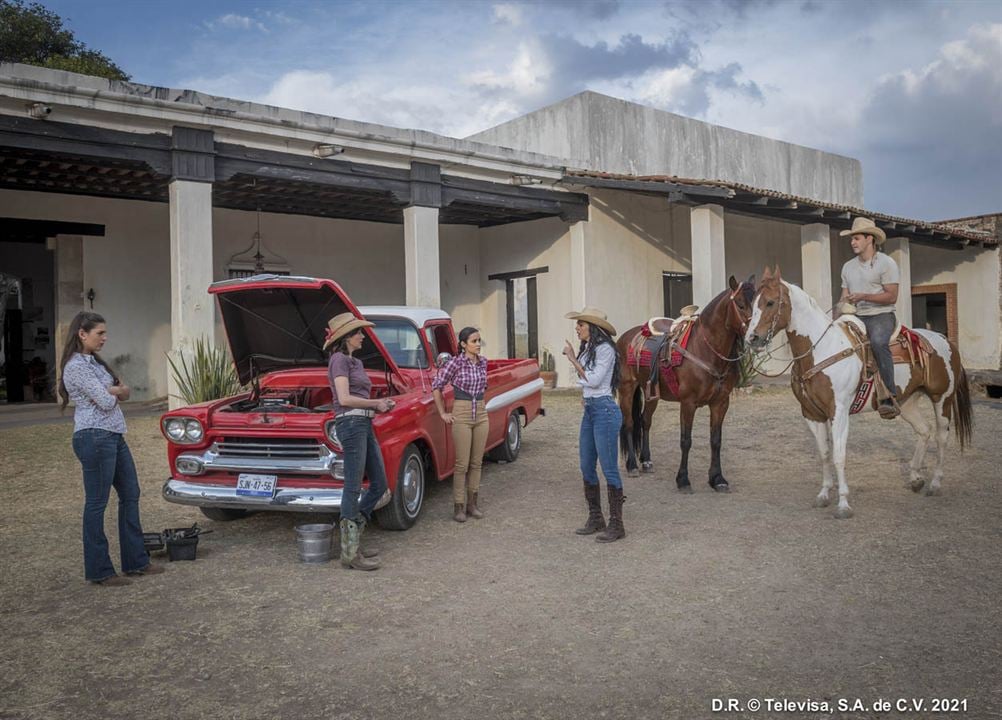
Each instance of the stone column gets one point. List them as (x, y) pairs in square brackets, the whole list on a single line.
[(900, 250), (421, 256), (578, 266), (708, 274), (816, 263)]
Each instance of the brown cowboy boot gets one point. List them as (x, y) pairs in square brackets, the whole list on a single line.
[(471, 507), (615, 531), (459, 512), (365, 550), (595, 521), (350, 556)]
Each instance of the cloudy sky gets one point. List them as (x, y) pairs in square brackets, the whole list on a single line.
[(912, 89)]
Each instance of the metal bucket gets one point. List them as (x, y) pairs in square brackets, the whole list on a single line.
[(314, 542)]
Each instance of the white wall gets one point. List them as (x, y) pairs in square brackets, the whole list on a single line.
[(459, 268), (976, 272)]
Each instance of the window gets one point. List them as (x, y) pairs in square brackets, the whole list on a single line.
[(402, 342), (677, 292), (439, 339)]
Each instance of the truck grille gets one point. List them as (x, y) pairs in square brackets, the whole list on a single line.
[(264, 448)]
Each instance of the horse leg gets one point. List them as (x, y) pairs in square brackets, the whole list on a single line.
[(717, 413), (840, 436), (646, 465), (911, 412), (627, 399), (687, 411), (822, 436), (942, 436)]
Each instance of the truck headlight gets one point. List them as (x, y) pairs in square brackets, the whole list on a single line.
[(193, 430), (174, 429), (331, 433)]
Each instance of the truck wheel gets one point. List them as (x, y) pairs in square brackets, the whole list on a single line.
[(224, 514), (408, 497), (507, 451)]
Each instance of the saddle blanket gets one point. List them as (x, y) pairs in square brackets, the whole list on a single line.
[(642, 355)]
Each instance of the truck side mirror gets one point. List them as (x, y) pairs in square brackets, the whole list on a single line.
[(442, 359)]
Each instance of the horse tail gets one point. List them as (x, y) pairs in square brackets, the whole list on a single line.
[(638, 417), (963, 417)]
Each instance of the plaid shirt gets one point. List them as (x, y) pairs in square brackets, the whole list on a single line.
[(469, 377)]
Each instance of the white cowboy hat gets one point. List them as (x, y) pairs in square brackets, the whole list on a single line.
[(865, 226), (595, 317), (340, 325)]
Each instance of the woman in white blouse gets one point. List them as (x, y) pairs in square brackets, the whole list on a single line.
[(99, 444), (597, 364)]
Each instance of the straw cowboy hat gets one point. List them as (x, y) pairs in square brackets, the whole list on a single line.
[(341, 325), (595, 317), (865, 226)]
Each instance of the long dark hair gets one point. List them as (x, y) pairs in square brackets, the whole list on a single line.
[(85, 321), (597, 336), (464, 336)]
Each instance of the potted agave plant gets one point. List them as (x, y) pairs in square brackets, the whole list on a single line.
[(547, 369)]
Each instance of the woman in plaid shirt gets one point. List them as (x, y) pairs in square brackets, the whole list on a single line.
[(467, 373)]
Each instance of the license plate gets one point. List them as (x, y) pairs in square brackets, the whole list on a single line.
[(262, 486)]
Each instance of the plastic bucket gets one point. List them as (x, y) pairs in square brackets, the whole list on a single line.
[(314, 542)]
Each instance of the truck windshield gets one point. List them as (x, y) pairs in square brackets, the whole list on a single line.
[(402, 342)]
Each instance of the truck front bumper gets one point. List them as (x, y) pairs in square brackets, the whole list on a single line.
[(186, 492)]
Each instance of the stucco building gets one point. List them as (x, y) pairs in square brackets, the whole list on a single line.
[(131, 199)]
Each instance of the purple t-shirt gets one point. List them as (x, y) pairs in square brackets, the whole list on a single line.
[(359, 385)]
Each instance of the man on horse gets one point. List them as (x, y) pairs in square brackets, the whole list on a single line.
[(870, 282)]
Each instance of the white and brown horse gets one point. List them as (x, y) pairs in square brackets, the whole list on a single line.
[(826, 375)]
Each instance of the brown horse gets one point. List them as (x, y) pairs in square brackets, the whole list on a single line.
[(707, 375)]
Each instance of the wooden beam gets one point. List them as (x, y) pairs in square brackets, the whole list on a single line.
[(653, 187)]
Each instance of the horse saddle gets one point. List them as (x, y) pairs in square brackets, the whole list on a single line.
[(652, 346), (907, 348)]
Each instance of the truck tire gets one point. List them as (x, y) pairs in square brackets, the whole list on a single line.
[(224, 514), (408, 497), (507, 451)]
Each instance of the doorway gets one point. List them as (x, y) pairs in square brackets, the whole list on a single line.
[(521, 312), (677, 292), (934, 307)]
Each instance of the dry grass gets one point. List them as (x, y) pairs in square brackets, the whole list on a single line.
[(752, 594)]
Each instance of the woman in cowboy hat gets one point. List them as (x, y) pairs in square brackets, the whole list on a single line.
[(870, 282), (353, 413), (597, 364)]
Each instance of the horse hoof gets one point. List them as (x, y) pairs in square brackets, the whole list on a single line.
[(843, 512), (721, 486), (632, 472), (917, 485), (932, 491), (685, 489), (822, 501), (647, 467)]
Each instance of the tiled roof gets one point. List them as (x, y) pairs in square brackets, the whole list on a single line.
[(738, 190)]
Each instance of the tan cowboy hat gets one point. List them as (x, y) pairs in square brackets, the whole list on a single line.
[(865, 226), (595, 317), (340, 325)]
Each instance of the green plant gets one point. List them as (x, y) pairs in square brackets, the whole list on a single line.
[(547, 364), (205, 374), (749, 366)]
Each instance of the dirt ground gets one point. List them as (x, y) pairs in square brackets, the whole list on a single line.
[(751, 595)]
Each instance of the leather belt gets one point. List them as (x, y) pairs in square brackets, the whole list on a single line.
[(360, 412)]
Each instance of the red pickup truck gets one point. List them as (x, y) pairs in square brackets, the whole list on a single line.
[(275, 447)]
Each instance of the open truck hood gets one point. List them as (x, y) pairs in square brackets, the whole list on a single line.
[(276, 322)]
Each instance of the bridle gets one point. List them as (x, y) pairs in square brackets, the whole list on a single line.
[(735, 311)]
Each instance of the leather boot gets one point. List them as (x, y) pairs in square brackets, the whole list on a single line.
[(459, 512), (595, 521), (615, 531), (350, 556), (363, 548), (471, 507)]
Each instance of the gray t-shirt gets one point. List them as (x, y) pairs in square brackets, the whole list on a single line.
[(359, 385), (870, 277)]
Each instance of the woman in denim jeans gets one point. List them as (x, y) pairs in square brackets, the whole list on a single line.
[(597, 366), (99, 443), (353, 413)]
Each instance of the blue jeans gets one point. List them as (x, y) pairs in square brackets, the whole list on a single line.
[(879, 329), (599, 440), (361, 456), (107, 463)]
